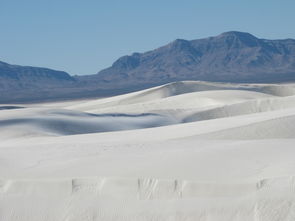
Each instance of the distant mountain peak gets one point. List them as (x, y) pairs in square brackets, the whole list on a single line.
[(230, 56), (239, 38), (237, 34)]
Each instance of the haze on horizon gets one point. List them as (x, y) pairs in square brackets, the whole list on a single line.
[(84, 37)]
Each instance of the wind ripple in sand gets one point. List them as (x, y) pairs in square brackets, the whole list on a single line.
[(148, 199)]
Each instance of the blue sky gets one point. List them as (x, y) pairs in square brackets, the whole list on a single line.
[(85, 36)]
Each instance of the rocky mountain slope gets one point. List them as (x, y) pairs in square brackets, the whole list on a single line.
[(231, 56)]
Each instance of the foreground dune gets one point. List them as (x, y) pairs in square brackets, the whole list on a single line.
[(181, 151)]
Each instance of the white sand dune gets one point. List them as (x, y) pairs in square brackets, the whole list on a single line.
[(242, 108), (178, 88), (181, 151)]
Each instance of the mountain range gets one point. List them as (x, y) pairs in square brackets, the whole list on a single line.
[(229, 57)]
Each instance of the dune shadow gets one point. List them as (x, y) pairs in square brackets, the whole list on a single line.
[(10, 107), (85, 114), (77, 123)]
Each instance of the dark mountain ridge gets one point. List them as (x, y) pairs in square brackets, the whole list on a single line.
[(229, 57), (16, 77)]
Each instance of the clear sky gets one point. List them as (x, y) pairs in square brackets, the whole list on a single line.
[(85, 36)]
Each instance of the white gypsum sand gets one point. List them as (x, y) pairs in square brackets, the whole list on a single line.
[(182, 151)]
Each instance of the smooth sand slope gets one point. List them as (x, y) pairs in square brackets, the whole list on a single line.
[(181, 151)]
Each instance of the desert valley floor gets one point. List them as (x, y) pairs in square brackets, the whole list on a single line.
[(184, 151)]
